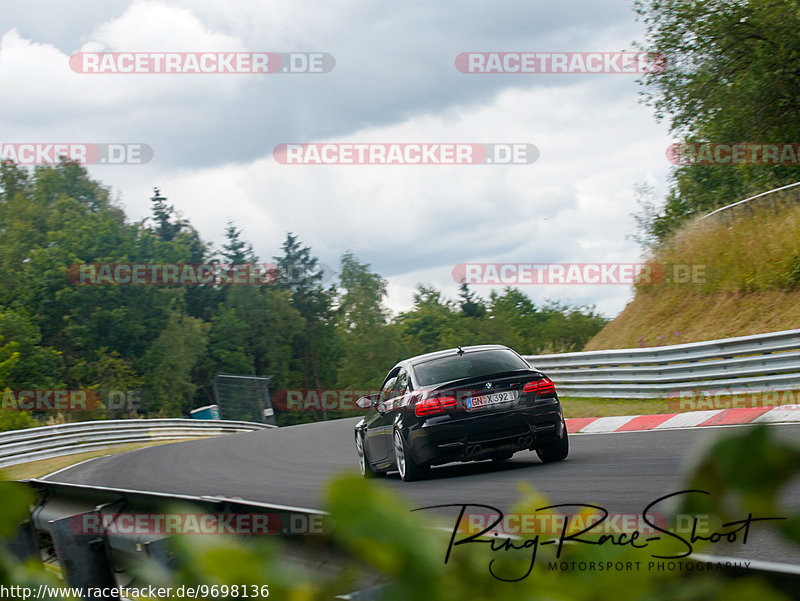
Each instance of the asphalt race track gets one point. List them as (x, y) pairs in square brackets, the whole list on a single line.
[(622, 472)]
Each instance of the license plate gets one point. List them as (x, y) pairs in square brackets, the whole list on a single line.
[(490, 399)]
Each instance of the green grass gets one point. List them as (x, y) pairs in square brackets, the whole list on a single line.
[(747, 270), (599, 407), (750, 253)]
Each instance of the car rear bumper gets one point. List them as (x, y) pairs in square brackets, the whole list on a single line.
[(467, 437)]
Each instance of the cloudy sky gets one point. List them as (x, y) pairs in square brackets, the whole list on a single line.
[(395, 80)]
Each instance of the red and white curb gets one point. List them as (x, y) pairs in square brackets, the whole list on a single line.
[(690, 419)]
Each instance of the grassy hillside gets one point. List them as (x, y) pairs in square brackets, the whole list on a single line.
[(747, 281)]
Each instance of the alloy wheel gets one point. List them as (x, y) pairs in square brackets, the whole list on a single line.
[(362, 460), (400, 454)]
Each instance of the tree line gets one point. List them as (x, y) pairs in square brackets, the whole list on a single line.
[(168, 342)]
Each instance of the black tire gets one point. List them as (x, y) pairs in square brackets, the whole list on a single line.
[(406, 467), (363, 464), (502, 457), (556, 451)]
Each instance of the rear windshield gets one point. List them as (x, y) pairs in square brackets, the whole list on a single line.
[(469, 365)]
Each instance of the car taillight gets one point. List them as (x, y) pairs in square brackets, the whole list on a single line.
[(546, 387), (541, 387), (435, 405)]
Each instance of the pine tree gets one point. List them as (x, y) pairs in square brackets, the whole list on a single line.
[(299, 272), (167, 225), (236, 250), (471, 305)]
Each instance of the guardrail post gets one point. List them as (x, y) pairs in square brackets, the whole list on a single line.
[(159, 551), (84, 558), (24, 545)]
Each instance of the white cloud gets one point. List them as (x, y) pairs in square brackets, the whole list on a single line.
[(414, 222), (394, 81), (149, 25)]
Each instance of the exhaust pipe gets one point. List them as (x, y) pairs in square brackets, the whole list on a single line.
[(472, 449)]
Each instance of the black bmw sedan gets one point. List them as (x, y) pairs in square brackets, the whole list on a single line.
[(462, 404)]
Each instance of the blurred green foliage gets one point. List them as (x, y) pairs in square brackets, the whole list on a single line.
[(16, 420)]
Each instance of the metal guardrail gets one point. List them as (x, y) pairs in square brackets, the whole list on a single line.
[(762, 362), (746, 201), (21, 446), (64, 528)]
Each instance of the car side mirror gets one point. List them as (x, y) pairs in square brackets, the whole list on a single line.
[(364, 402)]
